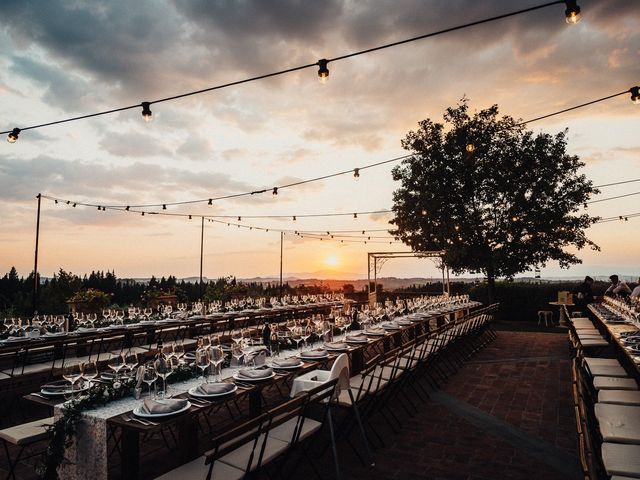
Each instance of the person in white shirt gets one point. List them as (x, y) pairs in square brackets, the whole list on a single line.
[(617, 287), (636, 291)]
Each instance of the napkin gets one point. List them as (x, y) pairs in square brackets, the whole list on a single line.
[(316, 353), (215, 388), (286, 362), (389, 325), (255, 373), (375, 329), (356, 337), (336, 345), (168, 405), (57, 386), (403, 322)]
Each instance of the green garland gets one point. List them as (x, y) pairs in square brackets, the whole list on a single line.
[(63, 430)]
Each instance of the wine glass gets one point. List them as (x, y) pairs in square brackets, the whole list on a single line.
[(236, 352), (72, 373), (167, 351), (305, 333), (150, 375), (91, 319), (163, 369), (116, 363), (89, 370), (216, 357), (147, 312), (131, 361), (236, 336), (202, 361), (178, 350), (296, 335)]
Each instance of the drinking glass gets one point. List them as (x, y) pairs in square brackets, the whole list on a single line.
[(72, 373), (236, 352), (202, 361), (178, 350), (163, 369), (89, 370), (305, 333), (131, 361), (150, 375), (216, 357), (116, 363), (167, 351)]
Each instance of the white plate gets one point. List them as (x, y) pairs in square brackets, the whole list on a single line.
[(332, 349), (262, 379), (376, 333), (17, 339), (292, 367), (86, 330), (50, 393), (193, 392), (349, 340), (139, 413), (302, 356)]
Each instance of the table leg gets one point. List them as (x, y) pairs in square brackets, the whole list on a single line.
[(255, 402), (130, 457), (188, 439)]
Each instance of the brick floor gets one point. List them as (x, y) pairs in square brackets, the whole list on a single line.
[(519, 386)]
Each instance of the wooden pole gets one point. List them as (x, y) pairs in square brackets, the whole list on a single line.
[(201, 254), (281, 250), (35, 262)]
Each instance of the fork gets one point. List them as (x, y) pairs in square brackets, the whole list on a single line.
[(146, 423)]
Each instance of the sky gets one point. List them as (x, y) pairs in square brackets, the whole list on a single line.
[(65, 58)]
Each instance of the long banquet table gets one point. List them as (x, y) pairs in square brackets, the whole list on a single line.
[(614, 331), (89, 453)]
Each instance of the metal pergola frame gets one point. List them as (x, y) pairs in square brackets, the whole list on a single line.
[(379, 258)]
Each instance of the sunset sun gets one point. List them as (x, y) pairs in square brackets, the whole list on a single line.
[(331, 261)]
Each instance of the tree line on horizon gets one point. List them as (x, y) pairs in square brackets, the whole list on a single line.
[(16, 293)]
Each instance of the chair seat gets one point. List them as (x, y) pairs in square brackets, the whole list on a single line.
[(594, 342), (591, 361), (608, 371), (284, 432), (239, 458), (621, 459), (27, 433), (197, 469), (614, 383), (586, 329), (619, 397)]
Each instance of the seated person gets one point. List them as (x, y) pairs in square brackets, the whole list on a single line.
[(617, 287), (636, 291)]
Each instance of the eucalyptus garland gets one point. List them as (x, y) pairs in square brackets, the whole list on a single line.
[(64, 428)]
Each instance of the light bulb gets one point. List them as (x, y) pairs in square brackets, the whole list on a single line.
[(323, 71), (146, 112), (635, 95), (13, 136), (572, 13), (470, 148), (356, 173)]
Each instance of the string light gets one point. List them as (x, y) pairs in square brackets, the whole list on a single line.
[(164, 206), (13, 135), (635, 95), (142, 213), (127, 208), (210, 201), (424, 212), (323, 71), (470, 148), (275, 191), (356, 173), (74, 205), (239, 219), (294, 218), (355, 215), (572, 13), (146, 112), (189, 217)]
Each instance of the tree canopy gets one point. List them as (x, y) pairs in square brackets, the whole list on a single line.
[(495, 197)]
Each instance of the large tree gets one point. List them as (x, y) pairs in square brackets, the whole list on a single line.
[(495, 197)]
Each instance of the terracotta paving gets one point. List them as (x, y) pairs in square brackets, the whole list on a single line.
[(507, 414)]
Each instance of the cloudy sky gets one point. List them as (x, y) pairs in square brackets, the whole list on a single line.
[(67, 58)]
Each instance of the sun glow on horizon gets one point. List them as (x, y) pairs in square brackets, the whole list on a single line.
[(331, 261)]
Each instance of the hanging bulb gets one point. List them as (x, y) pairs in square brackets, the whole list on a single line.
[(635, 95), (68, 202), (164, 206), (363, 232), (127, 208), (424, 212), (514, 219), (99, 208), (56, 202), (572, 13), (189, 217), (355, 215), (74, 205), (323, 71), (239, 219), (13, 136), (146, 112), (457, 227), (470, 148), (275, 191), (142, 214), (294, 218), (356, 173)]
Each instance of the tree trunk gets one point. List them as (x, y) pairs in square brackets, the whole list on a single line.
[(491, 285)]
